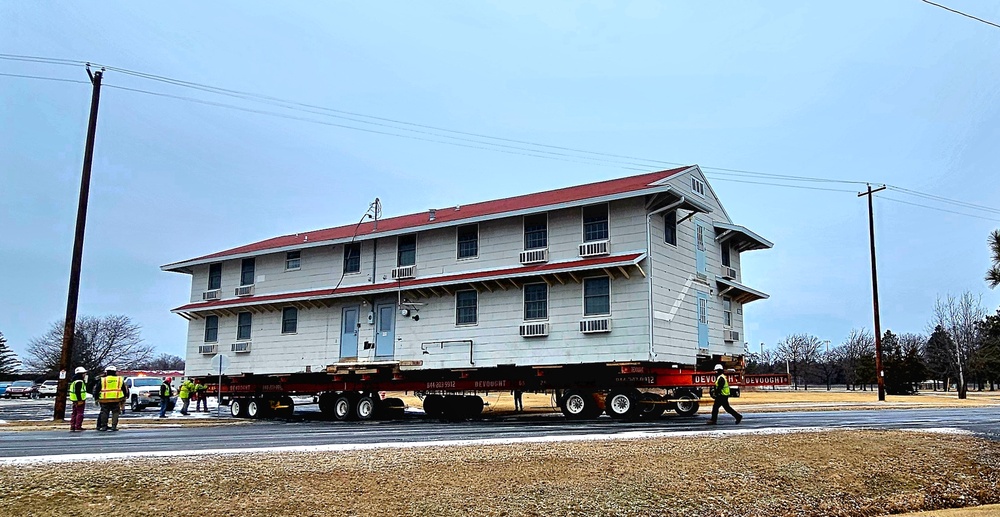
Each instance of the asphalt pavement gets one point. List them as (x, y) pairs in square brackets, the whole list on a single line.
[(307, 430)]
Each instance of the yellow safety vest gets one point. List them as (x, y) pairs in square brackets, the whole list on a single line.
[(111, 389), (722, 385), (72, 391)]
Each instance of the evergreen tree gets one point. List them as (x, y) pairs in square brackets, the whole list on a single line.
[(9, 362), (993, 273), (896, 378), (986, 360), (937, 355)]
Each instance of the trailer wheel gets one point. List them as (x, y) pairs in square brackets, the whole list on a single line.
[(579, 405), (254, 408), (434, 406), (623, 404), (687, 404), (238, 408), (473, 406), (326, 402), (455, 408), (366, 407), (653, 406), (392, 408), (343, 407)]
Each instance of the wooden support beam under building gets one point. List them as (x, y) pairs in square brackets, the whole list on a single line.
[(486, 286), (558, 278), (610, 273), (624, 271), (574, 277), (500, 285)]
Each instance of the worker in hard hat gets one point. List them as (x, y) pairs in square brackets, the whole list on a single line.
[(78, 396), (165, 392), (112, 398), (721, 395)]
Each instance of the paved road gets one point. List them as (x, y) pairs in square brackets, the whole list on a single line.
[(984, 421)]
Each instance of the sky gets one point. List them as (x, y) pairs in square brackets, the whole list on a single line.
[(897, 92)]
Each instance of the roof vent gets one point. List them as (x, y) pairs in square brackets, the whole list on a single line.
[(432, 213), (306, 239), (458, 207)]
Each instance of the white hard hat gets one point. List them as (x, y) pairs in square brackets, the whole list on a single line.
[(111, 368), (80, 369), (719, 367)]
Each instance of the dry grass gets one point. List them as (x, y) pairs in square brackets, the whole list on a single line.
[(990, 510), (833, 474)]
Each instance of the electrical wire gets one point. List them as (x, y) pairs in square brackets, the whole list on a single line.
[(59, 79), (946, 8), (936, 208), (537, 150)]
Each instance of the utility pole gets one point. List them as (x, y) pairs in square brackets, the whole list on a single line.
[(69, 330), (879, 374)]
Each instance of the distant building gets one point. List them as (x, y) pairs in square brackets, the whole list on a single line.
[(642, 268)]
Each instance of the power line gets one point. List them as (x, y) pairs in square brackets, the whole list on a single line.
[(937, 208), (642, 164), (946, 8), (59, 79)]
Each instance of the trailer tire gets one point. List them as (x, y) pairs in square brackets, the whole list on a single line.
[(326, 402), (623, 403), (653, 406), (343, 406), (255, 408), (579, 405), (238, 408), (687, 404), (392, 408), (473, 406), (366, 406), (434, 406), (455, 408)]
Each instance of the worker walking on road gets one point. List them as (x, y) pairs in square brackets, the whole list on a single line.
[(201, 399), (165, 393), (185, 395), (112, 398), (721, 395), (78, 396)]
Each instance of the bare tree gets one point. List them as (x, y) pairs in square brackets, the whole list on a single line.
[(98, 343), (162, 362), (801, 351), (829, 365), (960, 317), (858, 357)]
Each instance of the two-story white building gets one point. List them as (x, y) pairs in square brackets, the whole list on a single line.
[(643, 268)]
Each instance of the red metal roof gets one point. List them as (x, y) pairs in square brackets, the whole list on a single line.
[(455, 213), (518, 271)]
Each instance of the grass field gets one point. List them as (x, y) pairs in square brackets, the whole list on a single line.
[(844, 473)]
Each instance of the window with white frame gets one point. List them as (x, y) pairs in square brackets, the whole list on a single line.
[(352, 257), (215, 277), (468, 241), (211, 329), (247, 271), (703, 310), (289, 320), (293, 260), (595, 223), (406, 250), (466, 307), (727, 311), (698, 186), (536, 302), (536, 233), (700, 237), (597, 296), (725, 254), (244, 322)]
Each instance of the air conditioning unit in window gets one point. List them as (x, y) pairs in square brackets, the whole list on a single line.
[(703, 352), (595, 249), (534, 329), (208, 349), (535, 256), (594, 326), (730, 336), (214, 294), (240, 347), (404, 272), (244, 290), (728, 272)]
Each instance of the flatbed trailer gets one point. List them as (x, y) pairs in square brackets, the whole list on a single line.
[(350, 391)]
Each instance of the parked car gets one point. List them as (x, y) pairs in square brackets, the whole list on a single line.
[(25, 389), (144, 392), (3, 387), (48, 389)]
